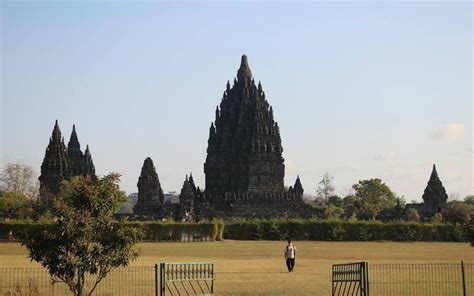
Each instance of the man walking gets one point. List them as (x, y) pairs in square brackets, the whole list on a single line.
[(290, 256)]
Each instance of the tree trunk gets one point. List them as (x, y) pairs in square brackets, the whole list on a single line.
[(80, 281)]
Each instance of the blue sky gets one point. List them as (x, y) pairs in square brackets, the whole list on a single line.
[(360, 90)]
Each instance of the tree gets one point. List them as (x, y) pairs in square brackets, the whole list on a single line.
[(20, 180), (325, 187), (375, 196), (335, 200), (14, 206), (412, 215), (85, 238), (456, 211), (469, 199), (352, 207), (333, 212), (469, 229), (437, 219)]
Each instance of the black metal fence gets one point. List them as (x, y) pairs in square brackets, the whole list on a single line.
[(176, 279), (135, 280), (422, 279), (403, 279)]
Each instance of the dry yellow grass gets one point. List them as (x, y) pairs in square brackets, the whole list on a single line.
[(258, 267)]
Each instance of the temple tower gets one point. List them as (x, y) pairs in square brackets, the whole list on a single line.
[(187, 195), (150, 195), (244, 151), (61, 163), (75, 155), (89, 168), (54, 168), (435, 196)]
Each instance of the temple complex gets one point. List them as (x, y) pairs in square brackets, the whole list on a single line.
[(244, 166), (61, 163)]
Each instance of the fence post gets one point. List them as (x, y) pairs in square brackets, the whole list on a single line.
[(367, 290), (212, 282), (156, 279), (162, 279), (463, 279)]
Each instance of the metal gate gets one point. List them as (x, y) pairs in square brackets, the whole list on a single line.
[(350, 279), (186, 279)]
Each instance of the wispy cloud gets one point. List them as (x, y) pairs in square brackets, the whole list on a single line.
[(450, 132), (385, 156)]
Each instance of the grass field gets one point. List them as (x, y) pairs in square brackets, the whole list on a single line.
[(258, 267)]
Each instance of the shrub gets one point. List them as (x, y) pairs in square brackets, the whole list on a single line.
[(337, 230), (152, 231)]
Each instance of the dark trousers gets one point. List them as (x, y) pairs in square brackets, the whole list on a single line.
[(290, 263)]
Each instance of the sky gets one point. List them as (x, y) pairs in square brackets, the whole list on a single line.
[(359, 90)]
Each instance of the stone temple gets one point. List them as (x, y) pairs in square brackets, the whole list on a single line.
[(150, 195), (244, 167), (61, 163), (434, 196)]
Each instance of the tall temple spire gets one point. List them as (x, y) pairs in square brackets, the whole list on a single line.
[(244, 70), (244, 151), (73, 140), (75, 156), (56, 136), (434, 196), (89, 169), (298, 188), (54, 168)]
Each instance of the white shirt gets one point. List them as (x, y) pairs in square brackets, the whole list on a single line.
[(290, 251)]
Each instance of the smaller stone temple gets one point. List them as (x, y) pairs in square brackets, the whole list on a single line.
[(435, 196), (150, 195), (187, 197), (61, 163)]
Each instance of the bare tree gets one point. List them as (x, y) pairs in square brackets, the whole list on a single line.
[(326, 187), (20, 180)]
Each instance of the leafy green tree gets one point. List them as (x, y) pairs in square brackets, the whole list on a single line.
[(412, 215), (469, 229), (85, 238), (16, 206), (352, 207), (375, 196), (469, 199), (335, 201), (437, 218), (333, 212), (456, 211)]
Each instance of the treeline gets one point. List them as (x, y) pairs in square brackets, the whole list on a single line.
[(338, 230), (278, 229)]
